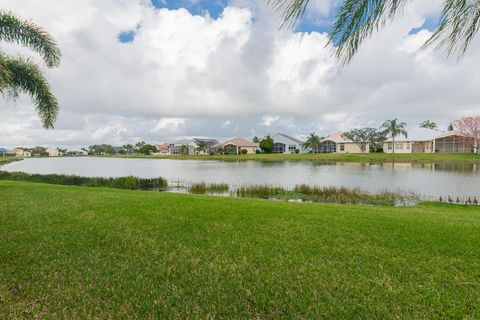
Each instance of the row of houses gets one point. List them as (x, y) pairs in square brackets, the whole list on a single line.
[(418, 141), (23, 152)]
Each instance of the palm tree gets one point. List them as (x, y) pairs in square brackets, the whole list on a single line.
[(357, 20), (313, 142), (394, 129), (21, 75)]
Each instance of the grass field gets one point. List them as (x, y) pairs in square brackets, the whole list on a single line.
[(369, 157), (75, 252)]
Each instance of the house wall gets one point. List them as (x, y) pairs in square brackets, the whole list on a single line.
[(250, 150), (52, 152), (400, 147), (351, 148)]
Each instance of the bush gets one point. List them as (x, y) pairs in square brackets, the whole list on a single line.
[(244, 151)]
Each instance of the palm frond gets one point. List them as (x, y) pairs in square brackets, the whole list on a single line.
[(13, 29), (5, 74), (290, 10), (27, 77), (459, 23)]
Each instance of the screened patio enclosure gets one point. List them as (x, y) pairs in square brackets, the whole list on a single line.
[(453, 144)]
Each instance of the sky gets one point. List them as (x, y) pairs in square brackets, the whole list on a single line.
[(165, 70)]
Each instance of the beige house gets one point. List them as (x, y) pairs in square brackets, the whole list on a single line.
[(421, 140), (52, 152), (163, 148), (337, 143), (18, 153), (235, 146)]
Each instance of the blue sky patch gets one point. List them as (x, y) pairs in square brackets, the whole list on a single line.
[(127, 36), (199, 7)]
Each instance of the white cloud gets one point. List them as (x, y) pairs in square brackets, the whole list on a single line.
[(186, 75)]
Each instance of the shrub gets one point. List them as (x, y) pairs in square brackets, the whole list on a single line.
[(244, 151)]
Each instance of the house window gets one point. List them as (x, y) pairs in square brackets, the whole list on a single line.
[(389, 146), (342, 147), (292, 148), (408, 146), (398, 146)]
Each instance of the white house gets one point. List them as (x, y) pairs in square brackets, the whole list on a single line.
[(283, 143)]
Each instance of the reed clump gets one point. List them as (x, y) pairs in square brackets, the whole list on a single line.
[(129, 182), (202, 188), (264, 191), (343, 195)]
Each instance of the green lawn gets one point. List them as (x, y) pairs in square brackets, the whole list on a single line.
[(73, 252), (369, 157)]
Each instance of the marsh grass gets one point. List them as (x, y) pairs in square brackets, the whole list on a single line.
[(202, 188), (129, 182), (330, 194)]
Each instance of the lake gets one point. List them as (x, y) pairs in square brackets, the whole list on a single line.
[(427, 180)]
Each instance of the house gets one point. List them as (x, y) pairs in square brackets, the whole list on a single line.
[(283, 143), (337, 143), (192, 146), (235, 146), (18, 152), (420, 140), (52, 152), (163, 148), (77, 153)]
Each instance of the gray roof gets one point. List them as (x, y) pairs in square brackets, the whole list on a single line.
[(290, 138)]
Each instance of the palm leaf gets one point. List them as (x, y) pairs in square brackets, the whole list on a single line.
[(27, 77), (28, 34)]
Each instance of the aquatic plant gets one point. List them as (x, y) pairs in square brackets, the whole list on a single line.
[(202, 188)]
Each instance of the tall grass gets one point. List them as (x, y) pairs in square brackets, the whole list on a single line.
[(129, 182), (343, 195), (202, 188), (319, 194), (264, 191)]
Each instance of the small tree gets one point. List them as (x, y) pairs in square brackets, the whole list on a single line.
[(470, 127), (450, 127), (147, 149), (255, 139), (266, 144), (314, 142), (377, 140), (394, 129), (184, 149), (427, 124), (201, 146), (361, 136)]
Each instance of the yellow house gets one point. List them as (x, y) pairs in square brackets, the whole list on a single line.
[(337, 143), (421, 140)]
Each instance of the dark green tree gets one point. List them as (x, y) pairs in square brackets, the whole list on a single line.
[(313, 142), (266, 144), (427, 124), (21, 75), (147, 149)]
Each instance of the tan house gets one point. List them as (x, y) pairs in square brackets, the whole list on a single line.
[(337, 143), (52, 152), (18, 153), (421, 140), (235, 146)]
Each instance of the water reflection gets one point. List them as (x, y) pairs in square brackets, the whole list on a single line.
[(426, 179)]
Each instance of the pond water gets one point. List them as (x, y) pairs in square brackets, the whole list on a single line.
[(426, 180)]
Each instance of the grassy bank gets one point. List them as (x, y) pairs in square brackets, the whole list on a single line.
[(5, 160), (370, 157), (75, 252)]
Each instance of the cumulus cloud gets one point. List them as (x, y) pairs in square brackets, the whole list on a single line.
[(237, 75)]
